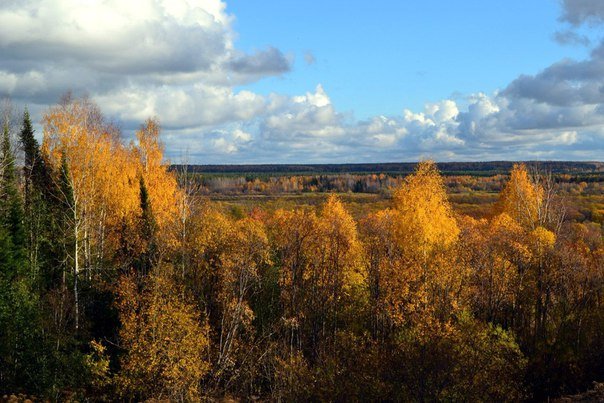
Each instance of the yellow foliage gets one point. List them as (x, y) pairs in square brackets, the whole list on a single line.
[(425, 216), (293, 234), (427, 233), (102, 171), (389, 280), (165, 341), (510, 237), (543, 239), (248, 251), (503, 222), (214, 235), (521, 199), (494, 250), (416, 273), (164, 193), (340, 245), (97, 362), (322, 274)]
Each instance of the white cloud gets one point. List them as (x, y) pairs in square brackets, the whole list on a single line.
[(129, 37), (176, 60), (240, 135), (319, 98), (182, 106)]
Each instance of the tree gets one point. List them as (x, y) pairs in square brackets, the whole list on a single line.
[(338, 274), (162, 186), (416, 271), (164, 338), (334, 279), (22, 349), (148, 232), (239, 276), (531, 200), (388, 281), (495, 252), (468, 361), (102, 176), (532, 203), (41, 210), (293, 234), (11, 205)]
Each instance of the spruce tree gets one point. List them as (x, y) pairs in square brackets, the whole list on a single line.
[(20, 352), (38, 174), (147, 230), (11, 205), (41, 205)]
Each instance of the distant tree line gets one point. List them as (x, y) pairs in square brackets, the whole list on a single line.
[(383, 183), (447, 168)]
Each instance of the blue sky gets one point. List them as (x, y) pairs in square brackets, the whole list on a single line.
[(381, 57), (322, 81)]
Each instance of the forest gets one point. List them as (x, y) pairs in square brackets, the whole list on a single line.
[(120, 279), (489, 167)]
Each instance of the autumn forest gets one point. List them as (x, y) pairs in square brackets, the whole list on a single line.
[(121, 279)]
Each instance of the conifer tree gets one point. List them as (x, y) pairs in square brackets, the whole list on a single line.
[(20, 350), (40, 208), (38, 176), (10, 201), (147, 230)]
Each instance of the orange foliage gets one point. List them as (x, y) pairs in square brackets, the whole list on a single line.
[(102, 172), (161, 184), (521, 199)]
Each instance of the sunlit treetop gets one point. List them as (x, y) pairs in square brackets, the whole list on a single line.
[(426, 216), (521, 198)]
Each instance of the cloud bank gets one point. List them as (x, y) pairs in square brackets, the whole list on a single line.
[(176, 60)]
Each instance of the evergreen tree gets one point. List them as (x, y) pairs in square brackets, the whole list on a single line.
[(20, 347), (147, 231), (11, 204), (37, 173), (41, 234)]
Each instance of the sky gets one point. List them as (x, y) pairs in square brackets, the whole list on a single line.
[(322, 81)]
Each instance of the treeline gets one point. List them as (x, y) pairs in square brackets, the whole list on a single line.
[(356, 183), (448, 168), (366, 183), (116, 283)]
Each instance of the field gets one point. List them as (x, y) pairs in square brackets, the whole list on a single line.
[(580, 208), (475, 204), (472, 188)]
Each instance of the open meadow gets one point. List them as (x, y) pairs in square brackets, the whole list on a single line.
[(473, 193)]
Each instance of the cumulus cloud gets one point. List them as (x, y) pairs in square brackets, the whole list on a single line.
[(578, 12), (182, 106), (134, 37), (498, 126), (560, 108), (176, 60), (565, 83), (143, 51), (302, 118)]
